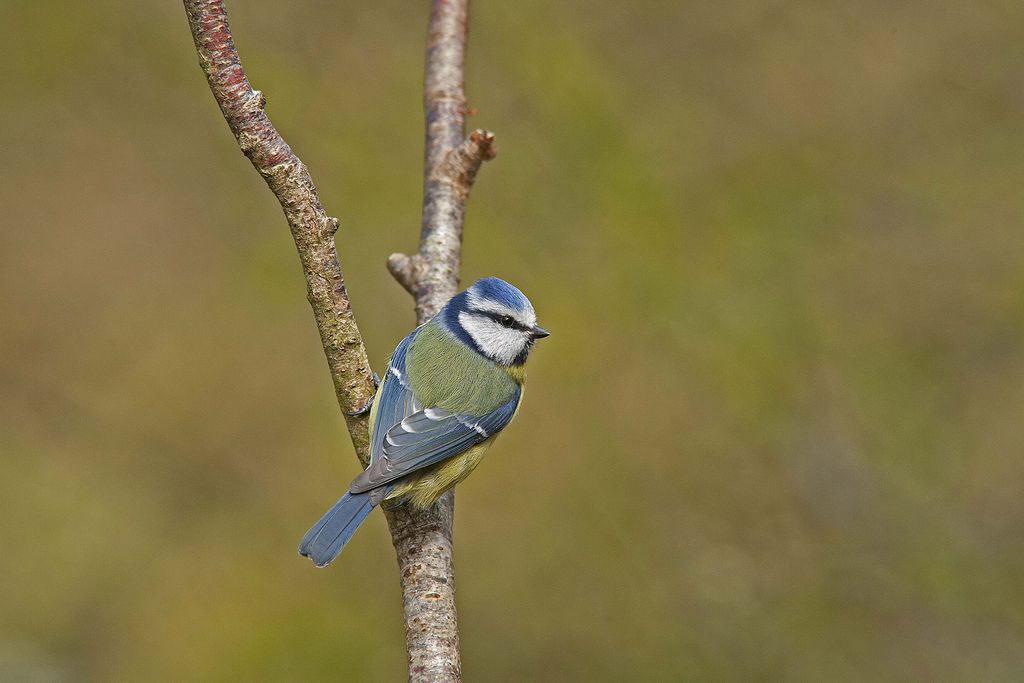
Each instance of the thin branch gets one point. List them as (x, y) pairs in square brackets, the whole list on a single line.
[(312, 229), (423, 540), (403, 267), (459, 170), (451, 162), (464, 161)]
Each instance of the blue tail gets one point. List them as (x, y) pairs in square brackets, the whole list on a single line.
[(328, 537)]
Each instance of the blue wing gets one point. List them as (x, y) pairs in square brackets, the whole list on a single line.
[(425, 437), (396, 400)]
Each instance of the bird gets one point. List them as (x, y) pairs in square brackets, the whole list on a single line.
[(451, 386)]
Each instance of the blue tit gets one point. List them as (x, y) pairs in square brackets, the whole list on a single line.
[(451, 386)]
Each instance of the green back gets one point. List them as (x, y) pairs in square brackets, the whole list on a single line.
[(447, 374)]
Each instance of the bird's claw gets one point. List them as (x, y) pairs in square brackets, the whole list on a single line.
[(369, 404)]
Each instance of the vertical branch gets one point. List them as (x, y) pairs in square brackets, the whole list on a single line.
[(423, 539), (312, 229)]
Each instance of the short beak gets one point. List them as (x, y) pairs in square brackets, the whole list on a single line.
[(539, 332)]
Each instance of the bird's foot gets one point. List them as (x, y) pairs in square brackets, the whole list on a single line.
[(369, 404)]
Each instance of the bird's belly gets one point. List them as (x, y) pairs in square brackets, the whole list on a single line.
[(422, 489)]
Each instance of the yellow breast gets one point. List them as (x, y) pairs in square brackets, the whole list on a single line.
[(424, 487), (517, 372)]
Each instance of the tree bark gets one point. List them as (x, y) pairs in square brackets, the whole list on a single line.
[(312, 229), (422, 539)]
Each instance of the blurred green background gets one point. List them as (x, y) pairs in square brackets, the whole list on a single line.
[(776, 432)]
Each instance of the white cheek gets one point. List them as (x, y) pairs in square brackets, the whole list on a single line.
[(496, 341)]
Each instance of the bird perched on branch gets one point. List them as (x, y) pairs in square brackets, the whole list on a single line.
[(451, 386)]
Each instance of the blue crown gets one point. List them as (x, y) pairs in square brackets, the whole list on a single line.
[(496, 289)]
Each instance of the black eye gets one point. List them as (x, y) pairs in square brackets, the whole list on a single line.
[(507, 321)]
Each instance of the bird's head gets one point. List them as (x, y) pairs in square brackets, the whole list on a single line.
[(495, 319)]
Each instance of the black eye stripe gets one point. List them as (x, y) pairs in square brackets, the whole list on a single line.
[(498, 318)]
